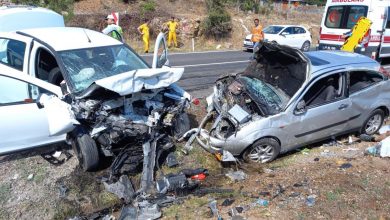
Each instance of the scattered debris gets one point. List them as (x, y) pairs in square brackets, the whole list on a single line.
[(62, 191), (367, 138), (305, 151), (214, 209), (128, 213), (345, 166), (316, 159), (57, 154), (236, 175), (171, 160), (311, 200), (148, 211), (384, 129), (15, 177), (122, 188), (262, 202), (294, 194), (381, 149), (30, 177), (228, 202)]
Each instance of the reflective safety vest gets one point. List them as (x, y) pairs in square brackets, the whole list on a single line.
[(257, 33)]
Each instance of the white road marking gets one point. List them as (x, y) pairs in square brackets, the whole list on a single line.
[(200, 52), (210, 64)]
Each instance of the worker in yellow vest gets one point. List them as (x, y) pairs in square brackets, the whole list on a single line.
[(172, 26), (144, 31), (257, 33)]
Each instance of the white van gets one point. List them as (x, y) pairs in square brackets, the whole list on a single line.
[(14, 18), (341, 15)]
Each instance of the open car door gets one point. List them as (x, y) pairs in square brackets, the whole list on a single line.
[(160, 56)]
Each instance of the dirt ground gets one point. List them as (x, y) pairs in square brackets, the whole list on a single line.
[(342, 181)]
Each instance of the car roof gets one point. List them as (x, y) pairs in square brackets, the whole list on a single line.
[(327, 60), (18, 17), (70, 38)]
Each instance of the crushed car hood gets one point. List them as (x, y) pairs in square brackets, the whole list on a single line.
[(281, 66), (133, 81), (267, 84)]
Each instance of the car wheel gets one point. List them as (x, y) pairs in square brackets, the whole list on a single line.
[(306, 46), (87, 153), (262, 151), (373, 122), (55, 76)]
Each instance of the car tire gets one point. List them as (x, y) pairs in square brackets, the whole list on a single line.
[(263, 150), (305, 46), (373, 123), (87, 152), (55, 76)]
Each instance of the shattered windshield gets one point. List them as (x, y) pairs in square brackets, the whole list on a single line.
[(272, 29), (85, 66), (268, 97)]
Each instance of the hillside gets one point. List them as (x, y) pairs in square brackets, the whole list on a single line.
[(91, 14)]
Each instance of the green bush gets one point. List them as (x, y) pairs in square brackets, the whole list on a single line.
[(148, 6), (218, 22)]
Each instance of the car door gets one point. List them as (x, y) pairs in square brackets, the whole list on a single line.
[(23, 124), (160, 55), (287, 37), (13, 51), (364, 91), (321, 112)]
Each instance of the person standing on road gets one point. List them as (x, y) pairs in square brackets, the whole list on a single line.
[(257, 34), (144, 31), (112, 29), (172, 26)]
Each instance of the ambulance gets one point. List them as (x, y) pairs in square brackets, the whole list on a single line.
[(340, 16)]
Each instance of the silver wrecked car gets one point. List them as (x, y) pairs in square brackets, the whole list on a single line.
[(286, 99)]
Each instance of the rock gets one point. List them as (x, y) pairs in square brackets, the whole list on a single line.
[(218, 46), (30, 177), (15, 177)]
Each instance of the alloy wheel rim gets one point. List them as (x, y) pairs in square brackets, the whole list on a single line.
[(261, 153), (373, 124)]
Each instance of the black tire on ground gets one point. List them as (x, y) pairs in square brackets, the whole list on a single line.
[(263, 150), (87, 152), (305, 46), (181, 125), (55, 77), (373, 123)]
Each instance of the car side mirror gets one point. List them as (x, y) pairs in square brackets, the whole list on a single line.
[(301, 107), (381, 31), (284, 34)]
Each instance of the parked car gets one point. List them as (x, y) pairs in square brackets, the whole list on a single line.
[(120, 102), (286, 99), (292, 35)]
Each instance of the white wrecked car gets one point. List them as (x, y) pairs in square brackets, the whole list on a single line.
[(118, 100)]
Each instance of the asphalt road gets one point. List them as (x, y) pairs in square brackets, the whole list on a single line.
[(202, 69)]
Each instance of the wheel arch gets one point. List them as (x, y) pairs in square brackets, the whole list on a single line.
[(263, 137)]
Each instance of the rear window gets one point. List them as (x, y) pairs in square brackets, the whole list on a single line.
[(344, 17)]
